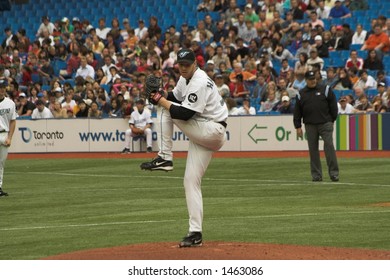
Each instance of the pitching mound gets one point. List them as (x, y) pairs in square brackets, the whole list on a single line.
[(215, 250)]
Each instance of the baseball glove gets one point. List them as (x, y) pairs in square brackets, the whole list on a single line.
[(152, 85)]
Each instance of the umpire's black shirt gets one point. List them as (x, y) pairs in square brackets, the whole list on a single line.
[(316, 105)]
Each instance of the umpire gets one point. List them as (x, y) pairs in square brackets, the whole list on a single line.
[(317, 106)]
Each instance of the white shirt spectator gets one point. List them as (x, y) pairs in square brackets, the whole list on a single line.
[(86, 71), (359, 39), (323, 14), (45, 114), (50, 27), (244, 112), (102, 33), (347, 110), (140, 32)]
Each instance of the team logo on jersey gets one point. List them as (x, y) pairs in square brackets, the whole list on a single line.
[(192, 98)]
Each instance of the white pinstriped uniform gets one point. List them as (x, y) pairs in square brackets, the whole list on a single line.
[(204, 131), (7, 113)]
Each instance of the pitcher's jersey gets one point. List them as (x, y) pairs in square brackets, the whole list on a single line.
[(7, 113), (140, 120), (201, 95)]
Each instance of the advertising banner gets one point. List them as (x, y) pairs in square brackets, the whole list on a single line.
[(250, 133)]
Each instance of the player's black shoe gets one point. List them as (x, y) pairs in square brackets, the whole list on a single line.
[(317, 179), (3, 193), (126, 151), (158, 164), (334, 178), (193, 239)]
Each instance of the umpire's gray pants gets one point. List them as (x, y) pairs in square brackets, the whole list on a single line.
[(314, 131)]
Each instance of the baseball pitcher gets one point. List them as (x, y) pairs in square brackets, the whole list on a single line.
[(198, 110)]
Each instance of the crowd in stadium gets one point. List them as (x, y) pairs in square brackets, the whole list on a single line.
[(257, 54)]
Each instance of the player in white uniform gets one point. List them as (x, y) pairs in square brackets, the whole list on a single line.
[(198, 110), (140, 124), (7, 128)]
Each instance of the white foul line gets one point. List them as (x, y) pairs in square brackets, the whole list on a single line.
[(219, 218), (205, 179)]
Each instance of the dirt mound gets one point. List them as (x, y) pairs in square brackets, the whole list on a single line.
[(215, 250)]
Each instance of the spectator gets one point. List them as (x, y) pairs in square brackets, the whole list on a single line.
[(315, 59), (72, 65), (8, 38), (104, 106), (140, 124), (301, 65), (314, 21), (59, 112), (141, 31), (41, 112), (240, 91), (379, 41), (344, 107), (280, 53), (68, 103), (246, 108), (366, 81), (232, 106), (363, 106), (359, 92), (322, 10), (372, 62), (93, 111), (116, 110), (340, 42), (102, 30), (286, 106), (85, 70), (223, 88), (381, 77), (304, 49), (25, 107), (247, 76), (45, 71), (83, 108), (354, 61), (343, 82), (339, 10), (260, 88), (322, 49), (45, 25), (296, 10), (360, 35), (271, 103)]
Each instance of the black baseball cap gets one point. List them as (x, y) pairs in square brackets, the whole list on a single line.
[(186, 56), (381, 84), (310, 75), (3, 82)]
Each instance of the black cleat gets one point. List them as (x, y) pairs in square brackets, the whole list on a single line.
[(126, 151), (193, 239), (149, 149), (317, 179), (158, 164), (3, 193), (334, 178)]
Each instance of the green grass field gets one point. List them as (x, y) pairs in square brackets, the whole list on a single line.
[(58, 206)]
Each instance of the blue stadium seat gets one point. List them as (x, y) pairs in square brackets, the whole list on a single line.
[(355, 47)]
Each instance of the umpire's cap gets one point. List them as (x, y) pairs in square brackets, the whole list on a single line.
[(185, 56), (310, 75)]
